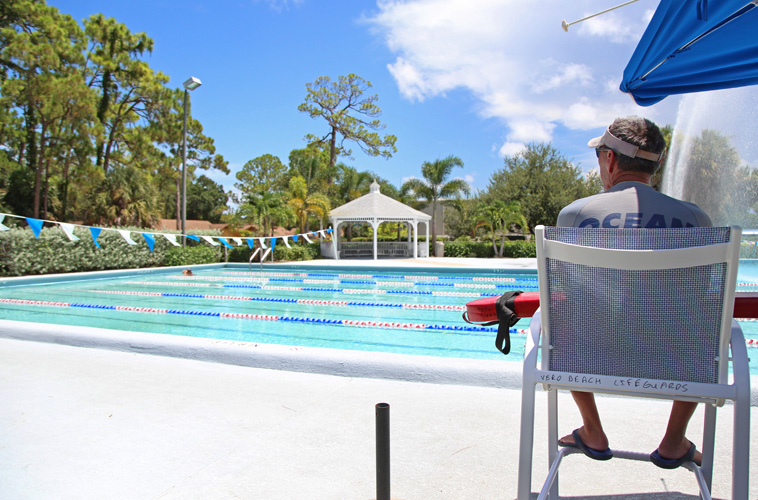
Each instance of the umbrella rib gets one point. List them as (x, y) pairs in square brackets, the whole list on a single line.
[(742, 10)]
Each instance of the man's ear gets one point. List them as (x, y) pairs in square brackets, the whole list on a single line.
[(612, 162)]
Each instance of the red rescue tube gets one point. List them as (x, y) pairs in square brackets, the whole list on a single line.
[(483, 310)]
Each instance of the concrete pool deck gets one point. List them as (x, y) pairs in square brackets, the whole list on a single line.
[(102, 424)]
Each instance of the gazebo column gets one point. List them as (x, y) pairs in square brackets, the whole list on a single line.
[(375, 225), (427, 242), (415, 239), (336, 239), (408, 226)]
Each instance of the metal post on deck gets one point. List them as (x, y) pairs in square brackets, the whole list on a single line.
[(382, 451)]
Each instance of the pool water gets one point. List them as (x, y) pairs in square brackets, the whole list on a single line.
[(412, 312), (409, 312)]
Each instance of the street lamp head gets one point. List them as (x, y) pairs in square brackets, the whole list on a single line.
[(192, 83)]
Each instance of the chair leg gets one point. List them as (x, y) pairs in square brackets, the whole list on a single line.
[(526, 440), (552, 433), (741, 452), (709, 437)]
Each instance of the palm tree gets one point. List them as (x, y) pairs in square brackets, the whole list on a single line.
[(434, 188), (305, 204), (500, 217), (267, 210), (126, 196)]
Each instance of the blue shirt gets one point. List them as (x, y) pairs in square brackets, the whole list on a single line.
[(632, 205)]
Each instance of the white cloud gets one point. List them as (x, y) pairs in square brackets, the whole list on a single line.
[(280, 5), (511, 149), (514, 59), (568, 74), (614, 27)]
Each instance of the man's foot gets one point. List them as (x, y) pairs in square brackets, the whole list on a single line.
[(668, 457), (575, 440), (596, 441)]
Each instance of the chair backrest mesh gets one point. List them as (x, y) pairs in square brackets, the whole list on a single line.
[(655, 324)]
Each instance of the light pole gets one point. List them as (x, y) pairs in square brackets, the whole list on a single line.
[(191, 84)]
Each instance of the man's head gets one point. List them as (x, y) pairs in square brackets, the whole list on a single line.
[(632, 144)]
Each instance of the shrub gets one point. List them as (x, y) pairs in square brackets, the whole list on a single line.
[(520, 249), (308, 251), (22, 254), (192, 255)]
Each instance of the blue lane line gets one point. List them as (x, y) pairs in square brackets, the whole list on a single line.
[(511, 284)]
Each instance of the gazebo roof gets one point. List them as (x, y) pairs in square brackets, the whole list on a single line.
[(376, 205)]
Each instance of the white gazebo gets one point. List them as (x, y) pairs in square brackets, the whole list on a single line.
[(375, 208)]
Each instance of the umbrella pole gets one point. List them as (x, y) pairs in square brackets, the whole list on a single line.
[(566, 25)]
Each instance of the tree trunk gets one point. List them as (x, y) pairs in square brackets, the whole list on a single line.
[(108, 148), (102, 109), (66, 166), (31, 136), (434, 228), (38, 174), (46, 189), (178, 204), (333, 148)]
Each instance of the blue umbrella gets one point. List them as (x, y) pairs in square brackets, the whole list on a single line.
[(693, 46)]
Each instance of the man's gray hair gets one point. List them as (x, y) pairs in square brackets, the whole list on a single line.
[(642, 133)]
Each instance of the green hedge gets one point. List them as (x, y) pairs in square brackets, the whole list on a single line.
[(513, 249), (192, 255), (309, 251), (22, 254)]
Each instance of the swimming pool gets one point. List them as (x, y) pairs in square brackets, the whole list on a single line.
[(390, 310), (408, 312)]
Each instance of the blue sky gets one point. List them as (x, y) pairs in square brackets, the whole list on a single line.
[(472, 78)]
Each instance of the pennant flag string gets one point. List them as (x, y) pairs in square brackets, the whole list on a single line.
[(68, 229), (210, 240), (171, 239), (36, 226), (225, 243), (95, 232), (150, 239), (127, 236)]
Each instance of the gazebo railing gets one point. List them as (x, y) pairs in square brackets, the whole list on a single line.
[(383, 249)]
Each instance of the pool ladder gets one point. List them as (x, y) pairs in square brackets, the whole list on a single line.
[(263, 257)]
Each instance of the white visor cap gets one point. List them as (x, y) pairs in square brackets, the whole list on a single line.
[(622, 147)]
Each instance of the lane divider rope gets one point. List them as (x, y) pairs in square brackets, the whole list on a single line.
[(353, 282), (378, 276), (265, 317), (330, 290), (285, 300)]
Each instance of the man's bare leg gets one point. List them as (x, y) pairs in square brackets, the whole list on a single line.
[(674, 443), (591, 432)]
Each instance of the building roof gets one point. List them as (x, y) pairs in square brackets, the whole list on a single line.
[(376, 205)]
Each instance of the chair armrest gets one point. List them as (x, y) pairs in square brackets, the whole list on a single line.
[(740, 361), (533, 339)]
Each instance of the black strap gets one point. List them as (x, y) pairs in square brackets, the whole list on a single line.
[(506, 318)]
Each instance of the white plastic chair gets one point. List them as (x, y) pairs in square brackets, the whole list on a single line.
[(650, 305)]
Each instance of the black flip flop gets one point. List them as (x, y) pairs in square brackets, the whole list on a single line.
[(673, 463), (605, 454)]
